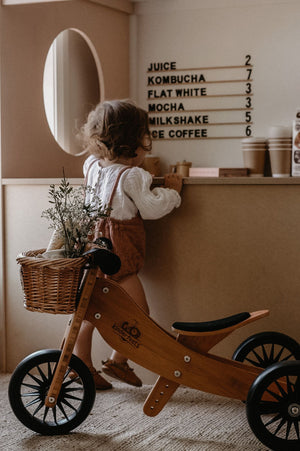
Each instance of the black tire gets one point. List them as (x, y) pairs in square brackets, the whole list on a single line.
[(276, 421), (28, 389), (266, 348)]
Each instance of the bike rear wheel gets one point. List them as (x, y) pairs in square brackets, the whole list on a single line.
[(266, 348), (273, 406)]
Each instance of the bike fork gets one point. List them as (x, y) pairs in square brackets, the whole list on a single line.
[(70, 338)]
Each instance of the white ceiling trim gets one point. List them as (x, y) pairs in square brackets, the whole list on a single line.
[(142, 7), (28, 2), (125, 6)]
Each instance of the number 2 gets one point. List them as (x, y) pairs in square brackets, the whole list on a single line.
[(248, 59)]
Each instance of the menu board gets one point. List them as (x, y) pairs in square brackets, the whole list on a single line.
[(200, 103)]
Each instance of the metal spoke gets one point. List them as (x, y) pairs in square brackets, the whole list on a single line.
[(76, 379), (70, 389), (275, 395), (38, 408), (273, 420), (34, 401), (288, 428), (282, 422), (35, 379), (49, 372), (24, 395), (287, 357), (67, 373), (69, 405), (272, 352), (45, 414), (296, 426), (59, 405), (266, 358), (73, 397), (267, 407), (282, 391), (277, 358), (43, 376), (54, 414), (31, 386), (259, 359), (253, 362)]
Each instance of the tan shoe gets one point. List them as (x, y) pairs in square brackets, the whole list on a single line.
[(100, 382), (122, 372)]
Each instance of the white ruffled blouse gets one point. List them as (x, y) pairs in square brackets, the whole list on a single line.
[(133, 192)]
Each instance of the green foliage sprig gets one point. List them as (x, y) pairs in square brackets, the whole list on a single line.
[(72, 217)]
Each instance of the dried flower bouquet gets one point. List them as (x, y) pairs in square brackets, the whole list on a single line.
[(71, 218)]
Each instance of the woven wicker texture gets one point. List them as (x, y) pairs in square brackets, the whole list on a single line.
[(50, 286)]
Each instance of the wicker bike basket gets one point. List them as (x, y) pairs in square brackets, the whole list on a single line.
[(50, 286)]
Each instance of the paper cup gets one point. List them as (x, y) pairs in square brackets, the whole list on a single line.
[(253, 139), (254, 160), (256, 147), (280, 140), (279, 146), (280, 131), (280, 160)]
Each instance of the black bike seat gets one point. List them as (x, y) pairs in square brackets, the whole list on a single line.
[(210, 326)]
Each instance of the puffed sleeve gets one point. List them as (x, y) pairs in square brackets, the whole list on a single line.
[(88, 163), (152, 204)]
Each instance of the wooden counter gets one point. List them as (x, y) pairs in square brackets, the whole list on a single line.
[(186, 181), (232, 246), (235, 181)]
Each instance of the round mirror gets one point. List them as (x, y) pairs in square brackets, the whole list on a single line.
[(71, 87)]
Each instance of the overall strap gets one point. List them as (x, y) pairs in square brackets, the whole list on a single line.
[(116, 184)]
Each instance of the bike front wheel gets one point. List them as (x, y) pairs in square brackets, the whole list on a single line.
[(29, 386)]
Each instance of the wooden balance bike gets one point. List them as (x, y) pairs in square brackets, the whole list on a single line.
[(52, 391)]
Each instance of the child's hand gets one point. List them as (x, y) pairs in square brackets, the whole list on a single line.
[(173, 181)]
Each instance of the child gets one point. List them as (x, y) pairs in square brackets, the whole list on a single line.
[(117, 136)]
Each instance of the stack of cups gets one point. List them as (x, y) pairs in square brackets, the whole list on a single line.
[(280, 150), (254, 155)]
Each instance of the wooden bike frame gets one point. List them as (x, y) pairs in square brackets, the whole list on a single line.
[(177, 360)]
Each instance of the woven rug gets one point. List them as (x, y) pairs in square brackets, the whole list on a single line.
[(191, 421)]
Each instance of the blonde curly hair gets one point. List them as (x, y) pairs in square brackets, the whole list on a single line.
[(116, 128)]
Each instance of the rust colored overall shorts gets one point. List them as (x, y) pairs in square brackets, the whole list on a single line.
[(127, 237)]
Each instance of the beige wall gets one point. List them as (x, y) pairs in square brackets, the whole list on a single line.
[(26, 331), (210, 33), (227, 249), (28, 147)]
